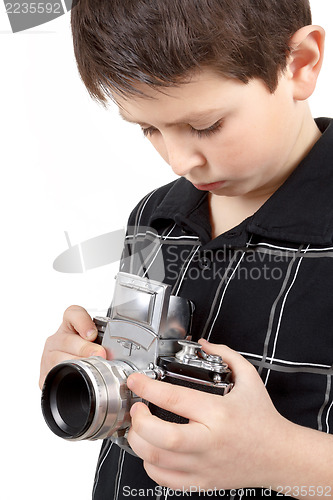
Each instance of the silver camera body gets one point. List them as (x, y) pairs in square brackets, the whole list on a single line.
[(146, 332)]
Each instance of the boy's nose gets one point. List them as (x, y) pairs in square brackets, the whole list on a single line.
[(183, 156)]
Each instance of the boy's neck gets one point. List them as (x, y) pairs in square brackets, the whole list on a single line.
[(227, 212)]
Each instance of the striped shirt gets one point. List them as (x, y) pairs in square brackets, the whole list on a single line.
[(264, 288)]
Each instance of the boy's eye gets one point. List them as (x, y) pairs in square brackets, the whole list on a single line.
[(205, 132)]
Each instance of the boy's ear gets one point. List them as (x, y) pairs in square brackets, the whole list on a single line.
[(305, 60)]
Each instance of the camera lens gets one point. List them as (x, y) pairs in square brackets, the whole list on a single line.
[(87, 398), (68, 401)]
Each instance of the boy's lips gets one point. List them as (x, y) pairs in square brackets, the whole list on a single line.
[(209, 187)]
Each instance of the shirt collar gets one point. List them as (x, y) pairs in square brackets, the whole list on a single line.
[(187, 206), (301, 210)]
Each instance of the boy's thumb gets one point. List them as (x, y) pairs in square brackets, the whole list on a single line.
[(236, 362)]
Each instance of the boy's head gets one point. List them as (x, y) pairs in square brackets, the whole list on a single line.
[(120, 43), (218, 86)]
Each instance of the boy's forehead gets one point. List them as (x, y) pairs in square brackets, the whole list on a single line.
[(194, 116), (190, 101)]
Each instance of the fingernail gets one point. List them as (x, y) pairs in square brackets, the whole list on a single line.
[(91, 333), (133, 410), (130, 382), (95, 353)]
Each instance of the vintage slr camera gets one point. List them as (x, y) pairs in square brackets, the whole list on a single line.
[(146, 332)]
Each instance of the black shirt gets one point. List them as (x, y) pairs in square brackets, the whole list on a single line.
[(264, 288)]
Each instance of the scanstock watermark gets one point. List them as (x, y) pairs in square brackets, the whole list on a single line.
[(25, 14)]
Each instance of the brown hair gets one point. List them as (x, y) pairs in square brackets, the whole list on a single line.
[(118, 43)]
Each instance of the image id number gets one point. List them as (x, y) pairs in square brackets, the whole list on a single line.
[(33, 8), (304, 491)]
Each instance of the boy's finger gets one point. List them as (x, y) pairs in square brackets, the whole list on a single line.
[(56, 358), (177, 438), (69, 346), (73, 344), (241, 367), (189, 403), (77, 320)]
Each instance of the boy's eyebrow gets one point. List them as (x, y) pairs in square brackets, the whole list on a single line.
[(185, 119)]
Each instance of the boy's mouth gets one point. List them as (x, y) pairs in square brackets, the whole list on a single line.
[(209, 187)]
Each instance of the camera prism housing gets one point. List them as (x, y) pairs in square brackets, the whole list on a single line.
[(146, 332)]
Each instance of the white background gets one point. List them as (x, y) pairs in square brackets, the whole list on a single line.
[(66, 165)]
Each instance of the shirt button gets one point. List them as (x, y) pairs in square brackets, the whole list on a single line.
[(204, 263), (183, 228)]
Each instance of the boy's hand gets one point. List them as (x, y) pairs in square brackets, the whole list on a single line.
[(73, 340), (230, 440)]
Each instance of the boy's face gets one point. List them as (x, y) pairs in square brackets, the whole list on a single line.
[(224, 136)]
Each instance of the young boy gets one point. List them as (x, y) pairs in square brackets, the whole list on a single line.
[(220, 88)]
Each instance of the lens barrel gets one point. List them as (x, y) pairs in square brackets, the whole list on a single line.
[(87, 398), (68, 401)]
